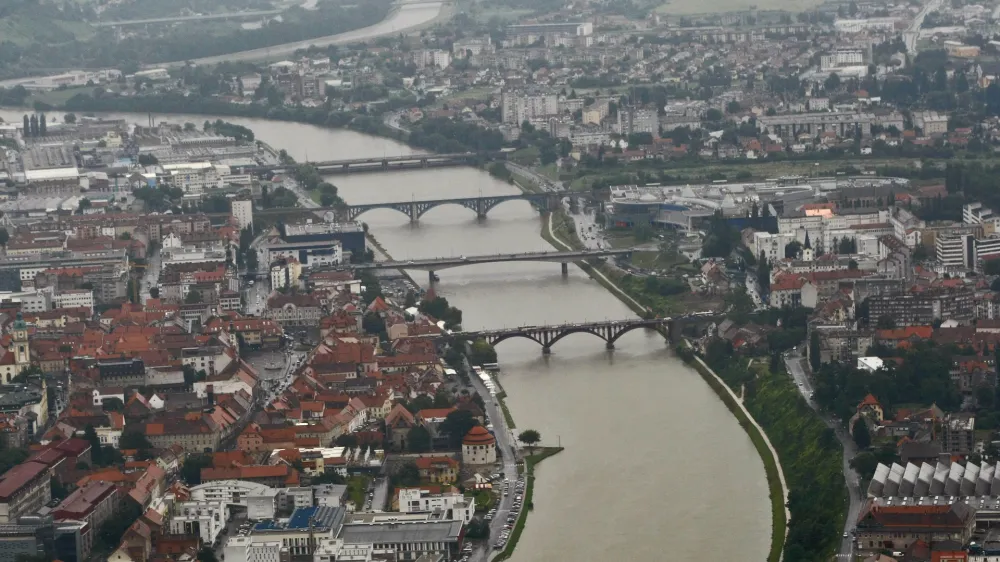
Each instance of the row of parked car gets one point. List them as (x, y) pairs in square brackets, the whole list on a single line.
[(515, 511)]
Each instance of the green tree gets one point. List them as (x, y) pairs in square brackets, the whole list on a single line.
[(206, 554), (456, 425), (4, 237), (422, 402), (418, 440), (860, 432), (792, 249), (443, 399), (408, 475), (90, 434), (42, 127), (154, 292), (191, 470), (134, 439), (193, 297), (83, 205), (69, 118), (482, 352), (815, 355), (113, 405), (530, 437)]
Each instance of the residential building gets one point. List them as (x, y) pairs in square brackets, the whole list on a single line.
[(896, 527), (958, 250), (930, 122), (243, 212), (959, 433), (24, 489), (453, 503), (92, 503)]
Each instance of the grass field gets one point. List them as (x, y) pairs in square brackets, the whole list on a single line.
[(57, 97), (25, 31), (486, 12)]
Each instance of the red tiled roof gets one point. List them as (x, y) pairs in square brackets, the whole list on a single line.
[(16, 478)]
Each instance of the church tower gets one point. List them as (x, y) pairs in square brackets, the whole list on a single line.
[(22, 349)]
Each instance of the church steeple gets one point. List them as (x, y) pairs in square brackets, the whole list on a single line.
[(22, 348)]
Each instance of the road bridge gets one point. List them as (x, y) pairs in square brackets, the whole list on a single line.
[(436, 264), (481, 205), (546, 336), (389, 163)]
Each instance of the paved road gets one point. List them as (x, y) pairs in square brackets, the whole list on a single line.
[(912, 33), (796, 365), (505, 442), (380, 498), (172, 19), (152, 275)]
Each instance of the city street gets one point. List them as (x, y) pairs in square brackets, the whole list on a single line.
[(796, 365), (505, 443), (151, 276)]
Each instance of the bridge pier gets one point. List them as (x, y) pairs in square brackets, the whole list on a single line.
[(546, 350), (432, 277), (565, 269), (423, 162), (347, 168), (413, 212), (609, 345)]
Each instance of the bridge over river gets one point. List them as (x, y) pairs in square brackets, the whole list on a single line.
[(436, 264)]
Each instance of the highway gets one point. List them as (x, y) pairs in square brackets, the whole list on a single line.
[(174, 19), (796, 365)]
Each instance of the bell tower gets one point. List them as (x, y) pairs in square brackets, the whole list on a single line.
[(22, 348)]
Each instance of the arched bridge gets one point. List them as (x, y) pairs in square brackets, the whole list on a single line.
[(546, 336), (481, 205)]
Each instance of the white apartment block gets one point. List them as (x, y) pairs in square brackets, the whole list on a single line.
[(957, 251), (74, 298), (842, 57), (415, 500), (30, 301), (976, 213), (207, 519), (639, 121), (517, 107), (431, 57), (243, 212), (772, 245), (870, 24), (196, 177), (244, 549)]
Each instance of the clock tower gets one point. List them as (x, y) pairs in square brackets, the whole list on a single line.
[(22, 349)]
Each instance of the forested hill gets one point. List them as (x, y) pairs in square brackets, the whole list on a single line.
[(38, 36)]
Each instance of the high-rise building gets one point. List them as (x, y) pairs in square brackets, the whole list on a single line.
[(243, 211), (518, 107)]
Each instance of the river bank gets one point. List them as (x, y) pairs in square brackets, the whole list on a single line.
[(778, 488), (604, 407), (506, 425)]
